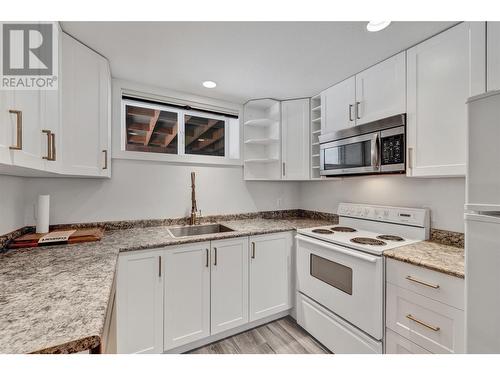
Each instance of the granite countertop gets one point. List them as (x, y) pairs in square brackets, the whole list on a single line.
[(54, 299), (432, 255)]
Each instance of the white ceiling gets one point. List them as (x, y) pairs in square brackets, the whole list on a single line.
[(246, 59)]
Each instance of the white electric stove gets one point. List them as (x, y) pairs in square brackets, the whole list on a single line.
[(340, 273)]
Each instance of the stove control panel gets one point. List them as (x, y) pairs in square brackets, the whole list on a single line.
[(400, 215)]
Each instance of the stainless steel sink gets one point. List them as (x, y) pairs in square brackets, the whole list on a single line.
[(196, 230)]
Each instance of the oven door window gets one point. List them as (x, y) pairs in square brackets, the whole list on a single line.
[(332, 273), (352, 155)]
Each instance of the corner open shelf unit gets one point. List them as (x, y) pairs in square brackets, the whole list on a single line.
[(262, 139), (316, 117)]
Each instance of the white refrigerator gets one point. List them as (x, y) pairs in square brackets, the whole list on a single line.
[(482, 225)]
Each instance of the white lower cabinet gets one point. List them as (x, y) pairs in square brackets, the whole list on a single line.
[(139, 302), (270, 276), (187, 294), (229, 284), (425, 308), (177, 295)]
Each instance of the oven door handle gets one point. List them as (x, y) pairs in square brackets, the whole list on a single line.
[(351, 253), (375, 154)]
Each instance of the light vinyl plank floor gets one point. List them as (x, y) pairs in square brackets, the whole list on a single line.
[(283, 336)]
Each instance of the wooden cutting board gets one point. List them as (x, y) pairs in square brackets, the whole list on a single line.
[(80, 235)]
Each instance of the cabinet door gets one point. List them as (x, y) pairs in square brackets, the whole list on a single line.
[(397, 344), (295, 139), (139, 302), (85, 109), (229, 284), (24, 113), (187, 294), (270, 277), (493, 54), (337, 106), (442, 73), (6, 130), (381, 90)]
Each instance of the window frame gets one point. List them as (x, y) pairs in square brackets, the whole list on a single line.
[(181, 157)]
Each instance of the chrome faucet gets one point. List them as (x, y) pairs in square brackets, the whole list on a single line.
[(194, 208)]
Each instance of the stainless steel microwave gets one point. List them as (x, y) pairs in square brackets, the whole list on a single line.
[(373, 148)]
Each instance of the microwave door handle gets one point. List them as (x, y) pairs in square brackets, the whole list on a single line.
[(375, 148)]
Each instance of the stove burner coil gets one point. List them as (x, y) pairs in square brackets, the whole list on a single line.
[(322, 231), (367, 241), (390, 237), (343, 229)]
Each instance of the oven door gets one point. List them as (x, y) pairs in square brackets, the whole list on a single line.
[(347, 282), (354, 155)]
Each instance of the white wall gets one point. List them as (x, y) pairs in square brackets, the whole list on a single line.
[(444, 196), (145, 189), (11, 203)]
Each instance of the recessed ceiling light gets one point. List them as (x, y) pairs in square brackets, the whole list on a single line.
[(374, 26), (209, 84)]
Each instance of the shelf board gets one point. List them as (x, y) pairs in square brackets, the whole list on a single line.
[(316, 131), (317, 119), (265, 160), (259, 122), (315, 155), (315, 167), (261, 141), (316, 97), (315, 144), (316, 108)]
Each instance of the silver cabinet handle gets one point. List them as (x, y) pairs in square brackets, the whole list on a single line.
[(284, 167), (215, 256), (105, 159), (375, 152), (53, 142), (207, 257), (350, 112), (357, 110), (159, 266), (253, 250), (426, 325), (49, 145), (411, 278), (19, 129)]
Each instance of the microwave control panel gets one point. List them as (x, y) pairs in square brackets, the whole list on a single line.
[(393, 149)]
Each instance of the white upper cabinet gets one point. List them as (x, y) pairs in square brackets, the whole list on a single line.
[(442, 73), (337, 106), (295, 145), (229, 284), (493, 54), (86, 108), (381, 90), (187, 294), (270, 274), (139, 302)]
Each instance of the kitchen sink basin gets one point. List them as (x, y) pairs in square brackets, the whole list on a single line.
[(196, 230)]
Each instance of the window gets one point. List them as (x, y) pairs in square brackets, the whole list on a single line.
[(204, 136), (151, 130), (179, 134)]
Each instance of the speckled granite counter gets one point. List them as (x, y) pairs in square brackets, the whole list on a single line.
[(432, 255), (54, 299)]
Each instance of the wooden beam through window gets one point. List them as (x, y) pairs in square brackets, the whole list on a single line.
[(152, 125), (217, 135), (170, 137), (200, 130)]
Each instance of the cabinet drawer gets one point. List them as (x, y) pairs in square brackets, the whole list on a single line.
[(397, 344), (334, 333), (436, 285), (434, 326)]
